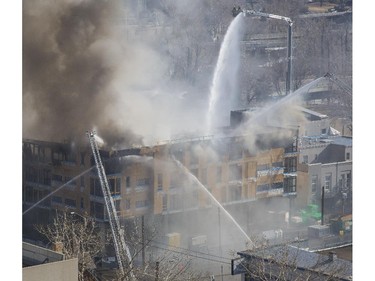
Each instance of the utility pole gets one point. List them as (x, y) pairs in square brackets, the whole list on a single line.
[(220, 250), (157, 271), (143, 240), (322, 209), (288, 88)]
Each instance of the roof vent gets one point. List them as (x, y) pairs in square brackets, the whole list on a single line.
[(332, 256)]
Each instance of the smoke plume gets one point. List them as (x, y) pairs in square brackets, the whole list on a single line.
[(70, 56), (84, 69)]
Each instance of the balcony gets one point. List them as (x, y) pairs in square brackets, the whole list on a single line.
[(271, 172)]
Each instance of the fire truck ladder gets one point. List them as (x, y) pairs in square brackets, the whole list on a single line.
[(338, 82), (121, 248)]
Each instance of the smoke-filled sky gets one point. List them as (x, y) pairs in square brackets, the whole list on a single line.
[(83, 70), (80, 73)]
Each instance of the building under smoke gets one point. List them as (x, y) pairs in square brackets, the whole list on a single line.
[(272, 182)]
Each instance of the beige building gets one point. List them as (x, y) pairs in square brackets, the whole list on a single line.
[(41, 264), (151, 180)]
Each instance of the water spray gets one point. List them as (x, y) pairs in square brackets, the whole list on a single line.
[(53, 192), (217, 203)]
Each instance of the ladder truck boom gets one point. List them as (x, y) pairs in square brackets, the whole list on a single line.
[(266, 15), (121, 248), (338, 82)]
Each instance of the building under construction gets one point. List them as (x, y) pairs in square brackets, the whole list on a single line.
[(147, 180)]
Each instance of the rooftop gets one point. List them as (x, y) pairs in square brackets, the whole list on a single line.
[(301, 259)]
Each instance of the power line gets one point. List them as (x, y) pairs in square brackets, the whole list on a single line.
[(187, 254), (192, 251)]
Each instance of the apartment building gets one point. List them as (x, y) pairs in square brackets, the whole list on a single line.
[(148, 180), (330, 169)]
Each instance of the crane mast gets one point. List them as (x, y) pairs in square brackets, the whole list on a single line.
[(121, 248)]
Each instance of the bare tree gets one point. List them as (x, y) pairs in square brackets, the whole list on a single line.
[(76, 237)]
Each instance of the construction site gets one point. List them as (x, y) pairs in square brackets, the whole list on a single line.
[(181, 185)]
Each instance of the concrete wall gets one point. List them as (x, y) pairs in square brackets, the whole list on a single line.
[(66, 270)]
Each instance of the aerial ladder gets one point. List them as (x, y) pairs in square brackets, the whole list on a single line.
[(121, 248), (289, 21), (338, 82)]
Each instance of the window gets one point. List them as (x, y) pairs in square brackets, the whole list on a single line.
[(194, 172), (348, 156), (70, 202), (70, 180), (314, 184), (328, 182), (235, 172), (235, 193), (111, 183), (175, 180), (290, 184), (218, 174), (115, 185), (190, 199), (31, 174), (176, 201), (305, 159), (127, 204), (57, 199), (290, 164), (57, 178), (193, 158), (160, 181), (46, 177), (127, 182), (82, 203), (349, 180), (324, 131), (82, 181), (143, 182), (263, 167), (95, 188), (117, 205), (263, 188), (97, 210), (178, 154), (204, 176), (165, 202), (277, 185), (342, 181), (235, 152), (118, 186)]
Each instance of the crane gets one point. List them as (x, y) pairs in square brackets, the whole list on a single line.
[(122, 250)]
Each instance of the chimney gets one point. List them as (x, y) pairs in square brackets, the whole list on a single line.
[(57, 247), (332, 256)]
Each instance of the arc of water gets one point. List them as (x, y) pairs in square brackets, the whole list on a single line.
[(136, 157), (60, 187), (217, 203), (288, 99), (224, 80)]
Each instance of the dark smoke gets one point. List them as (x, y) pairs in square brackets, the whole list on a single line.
[(70, 54)]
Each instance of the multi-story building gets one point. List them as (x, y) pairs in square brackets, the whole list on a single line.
[(147, 180), (327, 175), (188, 175)]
